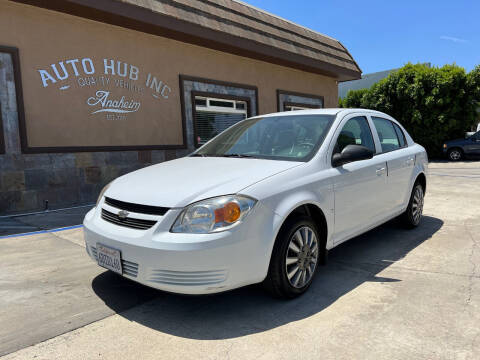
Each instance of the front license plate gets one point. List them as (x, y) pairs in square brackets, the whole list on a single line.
[(109, 258)]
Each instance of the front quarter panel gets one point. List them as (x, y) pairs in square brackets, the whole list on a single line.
[(306, 184)]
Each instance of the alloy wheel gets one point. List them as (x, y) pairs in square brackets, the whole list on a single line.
[(302, 257), (455, 155), (417, 204)]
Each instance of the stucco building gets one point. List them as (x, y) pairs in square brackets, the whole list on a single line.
[(90, 90)]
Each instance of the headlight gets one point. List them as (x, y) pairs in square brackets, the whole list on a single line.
[(103, 192), (213, 215)]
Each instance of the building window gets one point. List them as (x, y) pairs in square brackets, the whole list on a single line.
[(213, 114), (289, 101), (210, 106), (294, 106)]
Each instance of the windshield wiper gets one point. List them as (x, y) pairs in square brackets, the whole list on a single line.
[(237, 155), (222, 155)]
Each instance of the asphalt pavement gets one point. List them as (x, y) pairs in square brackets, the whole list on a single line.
[(388, 294)]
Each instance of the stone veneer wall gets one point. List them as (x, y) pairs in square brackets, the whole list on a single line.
[(64, 179)]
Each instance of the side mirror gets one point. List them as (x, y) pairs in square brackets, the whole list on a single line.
[(350, 154)]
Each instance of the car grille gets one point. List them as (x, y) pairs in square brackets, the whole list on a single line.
[(129, 268), (129, 222), (187, 278), (137, 208)]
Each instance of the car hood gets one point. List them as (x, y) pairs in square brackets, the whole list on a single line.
[(180, 182), (456, 141)]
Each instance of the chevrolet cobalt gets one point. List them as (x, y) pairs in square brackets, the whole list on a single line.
[(261, 202)]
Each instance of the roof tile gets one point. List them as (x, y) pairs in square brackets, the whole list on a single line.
[(235, 18)]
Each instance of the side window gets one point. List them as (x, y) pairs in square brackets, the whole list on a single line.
[(400, 135), (356, 131), (386, 133)]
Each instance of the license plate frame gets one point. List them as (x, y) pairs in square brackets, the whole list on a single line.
[(109, 258)]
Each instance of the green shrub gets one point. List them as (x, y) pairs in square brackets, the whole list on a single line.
[(433, 104)]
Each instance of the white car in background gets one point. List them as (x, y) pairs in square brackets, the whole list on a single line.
[(262, 202)]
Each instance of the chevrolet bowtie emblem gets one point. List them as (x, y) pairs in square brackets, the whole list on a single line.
[(122, 214)]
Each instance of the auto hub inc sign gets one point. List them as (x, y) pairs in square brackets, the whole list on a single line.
[(105, 78), (101, 101)]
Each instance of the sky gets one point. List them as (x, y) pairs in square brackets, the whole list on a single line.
[(387, 34)]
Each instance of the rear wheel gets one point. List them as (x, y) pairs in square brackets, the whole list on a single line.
[(455, 154), (412, 216), (298, 250)]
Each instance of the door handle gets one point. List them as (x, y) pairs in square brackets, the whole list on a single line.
[(380, 171), (409, 161)]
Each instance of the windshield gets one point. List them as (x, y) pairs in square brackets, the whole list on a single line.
[(292, 137)]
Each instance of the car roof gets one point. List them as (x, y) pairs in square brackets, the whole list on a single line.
[(325, 111)]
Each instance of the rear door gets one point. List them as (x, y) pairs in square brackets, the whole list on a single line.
[(400, 162), (360, 186)]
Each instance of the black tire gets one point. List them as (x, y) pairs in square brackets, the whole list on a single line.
[(412, 217), (277, 281), (455, 154)]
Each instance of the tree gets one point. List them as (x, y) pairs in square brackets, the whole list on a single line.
[(353, 98), (433, 104)]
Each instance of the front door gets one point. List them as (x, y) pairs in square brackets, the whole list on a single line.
[(359, 186)]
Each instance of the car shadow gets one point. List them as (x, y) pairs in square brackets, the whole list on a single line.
[(251, 310)]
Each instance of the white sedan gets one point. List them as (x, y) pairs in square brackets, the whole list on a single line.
[(262, 202)]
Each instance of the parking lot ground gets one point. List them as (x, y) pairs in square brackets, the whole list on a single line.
[(41, 221), (46, 288), (388, 294)]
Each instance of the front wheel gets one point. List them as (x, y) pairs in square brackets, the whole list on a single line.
[(412, 216), (296, 254)]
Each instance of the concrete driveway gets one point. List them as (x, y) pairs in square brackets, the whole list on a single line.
[(388, 294)]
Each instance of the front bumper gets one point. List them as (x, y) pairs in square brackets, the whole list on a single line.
[(189, 263)]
